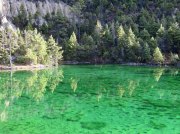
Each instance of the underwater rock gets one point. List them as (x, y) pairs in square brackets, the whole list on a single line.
[(73, 118), (116, 104), (49, 117), (93, 125), (157, 125), (158, 103), (76, 117), (154, 114)]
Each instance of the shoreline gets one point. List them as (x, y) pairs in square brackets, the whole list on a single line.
[(41, 66), (123, 64), (23, 67)]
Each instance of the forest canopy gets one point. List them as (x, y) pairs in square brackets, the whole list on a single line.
[(104, 31), (28, 47)]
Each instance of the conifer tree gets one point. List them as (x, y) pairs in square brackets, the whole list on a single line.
[(9, 43), (87, 40), (99, 27), (161, 31), (71, 47), (73, 41), (21, 51), (174, 37), (131, 38), (3, 52), (98, 33), (161, 38), (40, 47), (157, 56), (121, 35), (152, 45), (146, 54), (144, 34), (132, 47), (54, 52)]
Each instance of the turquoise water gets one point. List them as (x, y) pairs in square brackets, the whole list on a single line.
[(91, 99)]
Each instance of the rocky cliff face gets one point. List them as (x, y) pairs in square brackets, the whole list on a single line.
[(43, 7), (11, 8), (1, 5), (4, 23)]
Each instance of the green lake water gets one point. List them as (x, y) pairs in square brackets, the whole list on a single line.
[(91, 99)]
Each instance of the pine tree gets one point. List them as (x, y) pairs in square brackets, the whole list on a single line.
[(3, 52), (54, 51), (107, 43), (157, 56), (121, 35), (161, 31), (36, 47), (161, 38), (30, 55), (131, 38), (9, 43), (71, 46), (21, 19), (146, 55), (73, 41), (40, 47), (98, 27), (132, 47), (174, 37), (87, 40), (144, 34), (21, 51), (174, 58), (107, 37), (152, 44)]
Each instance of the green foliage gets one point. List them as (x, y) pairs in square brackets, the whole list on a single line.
[(28, 47), (174, 58), (157, 56), (71, 48), (144, 34), (146, 54), (54, 52), (152, 44), (161, 31), (8, 45), (132, 47), (98, 28), (21, 19), (107, 31), (34, 84), (73, 41)]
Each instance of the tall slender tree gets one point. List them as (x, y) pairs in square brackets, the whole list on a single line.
[(121, 35)]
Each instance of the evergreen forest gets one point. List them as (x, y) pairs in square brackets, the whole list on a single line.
[(95, 31)]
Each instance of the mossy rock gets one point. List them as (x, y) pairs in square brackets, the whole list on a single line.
[(154, 113), (49, 117), (73, 118), (115, 104), (93, 125), (159, 103), (76, 117)]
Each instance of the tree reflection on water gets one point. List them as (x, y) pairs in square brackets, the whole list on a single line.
[(34, 90), (34, 85)]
